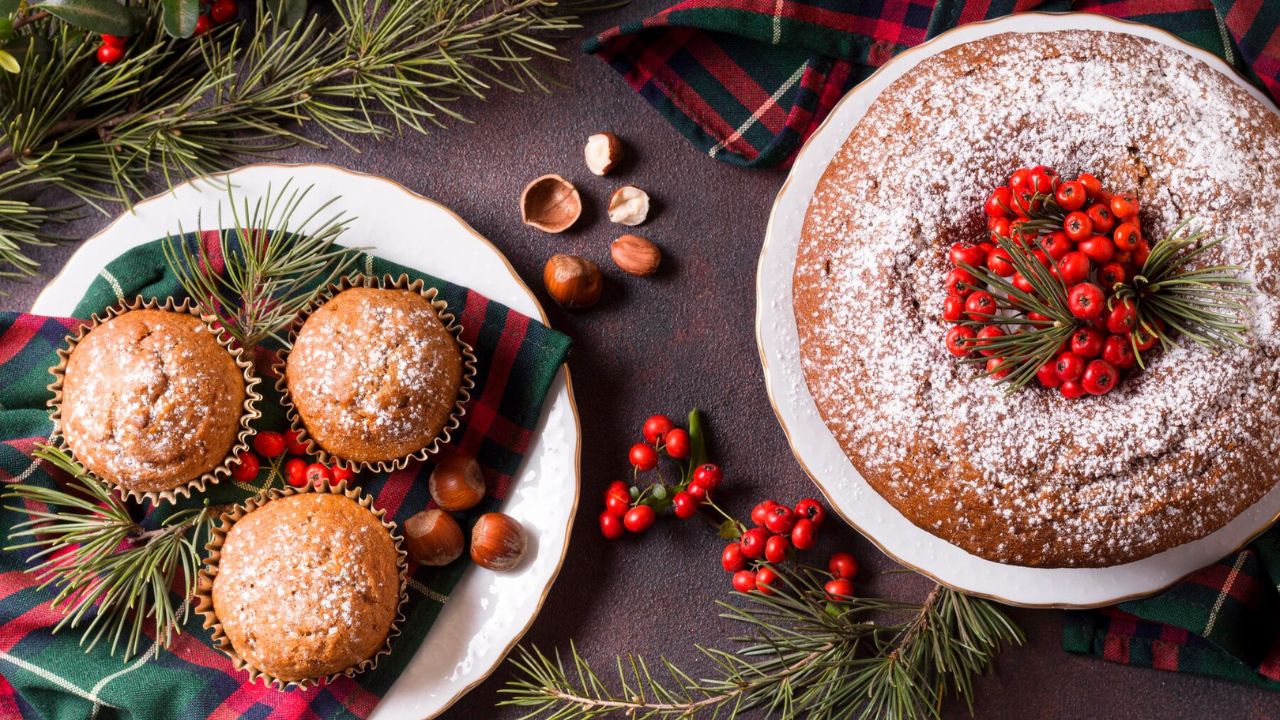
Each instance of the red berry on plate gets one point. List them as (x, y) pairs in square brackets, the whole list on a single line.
[(1098, 248), (1000, 228), (611, 526), (1071, 389), (246, 467), (744, 581), (1124, 206), (1069, 365), (110, 54), (617, 504), (811, 509), (223, 10), (732, 559), (843, 565), (341, 473), (1057, 244), (775, 548), (838, 590), (684, 505), (960, 282), (1043, 180), (1086, 301), (999, 202), (639, 518), (643, 457), (1101, 218), (1111, 274), (984, 338), (953, 308), (980, 305), (1077, 226), (708, 475), (1071, 195), (655, 427), (1048, 375), (318, 474), (1073, 268), (753, 542), (956, 340), (295, 472), (1123, 318), (780, 519), (993, 368), (1020, 180), (1126, 236), (765, 578), (760, 512), (1092, 185), (963, 253), (1000, 262), (1086, 342), (676, 442), (1118, 351), (804, 534), (1100, 377), (269, 444)]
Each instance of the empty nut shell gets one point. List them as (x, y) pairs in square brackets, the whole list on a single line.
[(635, 255), (432, 537), (497, 542), (550, 203)]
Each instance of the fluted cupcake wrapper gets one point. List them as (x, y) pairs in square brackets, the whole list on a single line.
[(384, 282), (249, 414), (209, 572)]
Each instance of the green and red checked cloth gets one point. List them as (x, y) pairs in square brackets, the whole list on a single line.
[(749, 80), (49, 676)]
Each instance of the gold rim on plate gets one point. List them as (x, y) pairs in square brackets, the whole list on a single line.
[(1169, 39)]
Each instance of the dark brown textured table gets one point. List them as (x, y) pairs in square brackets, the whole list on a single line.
[(664, 344)]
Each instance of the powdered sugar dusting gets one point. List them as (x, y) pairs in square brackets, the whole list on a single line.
[(1172, 453)]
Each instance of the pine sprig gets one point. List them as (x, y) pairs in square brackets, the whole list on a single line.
[(261, 280), (111, 591), (800, 655)]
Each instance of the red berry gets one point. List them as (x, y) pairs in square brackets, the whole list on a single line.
[(775, 548), (617, 486), (1124, 206), (1144, 338), (956, 338), (980, 305), (1048, 375), (1086, 301), (1043, 180), (1092, 185), (838, 590), (960, 282), (753, 542), (340, 474), (1039, 319), (811, 509), (1071, 389), (1141, 253), (697, 491), (318, 474), (984, 338), (1000, 228), (780, 519), (1021, 282), (1069, 366), (1020, 180), (1126, 236), (1101, 218), (1086, 342), (760, 512), (963, 253), (246, 468), (952, 308), (999, 202), (203, 23), (676, 442), (295, 472), (114, 40), (708, 476), (655, 427), (744, 581), (639, 518), (617, 504), (732, 558), (1119, 352), (843, 565), (1123, 318), (1056, 244), (110, 54), (1098, 248), (1099, 377), (1073, 268), (804, 534), (269, 444), (765, 578), (993, 368), (611, 526), (1000, 262), (643, 457), (1111, 274), (293, 444), (223, 10), (1071, 195), (685, 505), (1077, 226)]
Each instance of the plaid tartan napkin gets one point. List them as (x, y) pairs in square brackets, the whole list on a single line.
[(749, 80), (50, 676)]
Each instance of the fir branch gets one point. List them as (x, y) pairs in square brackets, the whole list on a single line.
[(800, 655), (108, 570)]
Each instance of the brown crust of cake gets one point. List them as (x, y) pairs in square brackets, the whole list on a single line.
[(1173, 453), (150, 400)]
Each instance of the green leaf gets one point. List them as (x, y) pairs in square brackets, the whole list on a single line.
[(287, 12), (9, 63), (100, 16), (9, 7), (6, 27), (180, 17), (729, 530)]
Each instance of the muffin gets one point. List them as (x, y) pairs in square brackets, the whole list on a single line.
[(304, 585), (375, 376), (151, 400)]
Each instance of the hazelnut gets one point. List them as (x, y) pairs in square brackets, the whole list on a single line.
[(629, 205), (603, 153), (573, 281), (635, 255), (456, 483), (432, 537), (550, 203), (497, 541)]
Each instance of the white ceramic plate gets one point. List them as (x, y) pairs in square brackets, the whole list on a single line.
[(487, 612), (820, 454)]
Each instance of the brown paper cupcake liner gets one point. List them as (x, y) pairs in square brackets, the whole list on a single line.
[(251, 399), (218, 536), (384, 282)]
